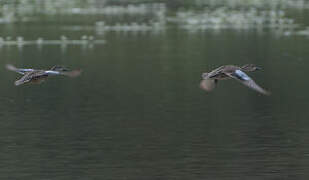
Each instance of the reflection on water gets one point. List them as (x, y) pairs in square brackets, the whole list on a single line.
[(223, 18), (85, 42), (137, 111)]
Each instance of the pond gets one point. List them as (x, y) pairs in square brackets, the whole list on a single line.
[(137, 111)]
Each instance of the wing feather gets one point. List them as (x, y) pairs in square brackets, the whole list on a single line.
[(242, 77), (29, 76), (20, 71)]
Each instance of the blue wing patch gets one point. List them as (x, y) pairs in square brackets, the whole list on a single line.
[(241, 75)]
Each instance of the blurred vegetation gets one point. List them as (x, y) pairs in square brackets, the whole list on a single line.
[(146, 15)]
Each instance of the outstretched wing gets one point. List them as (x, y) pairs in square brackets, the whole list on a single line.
[(208, 84), (18, 70), (73, 73), (247, 81), (216, 72), (29, 76)]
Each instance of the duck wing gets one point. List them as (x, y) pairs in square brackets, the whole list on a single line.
[(247, 81), (208, 84), (216, 72), (73, 73), (29, 76), (18, 70)]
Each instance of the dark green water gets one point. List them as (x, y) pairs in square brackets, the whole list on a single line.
[(137, 111)]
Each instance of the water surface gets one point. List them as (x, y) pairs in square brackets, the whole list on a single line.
[(137, 111)]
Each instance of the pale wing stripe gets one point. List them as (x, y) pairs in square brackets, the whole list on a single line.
[(52, 72)]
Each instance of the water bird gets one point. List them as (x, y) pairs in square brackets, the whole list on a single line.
[(38, 76), (210, 79)]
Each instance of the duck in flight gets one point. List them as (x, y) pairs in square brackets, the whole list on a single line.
[(38, 76), (210, 79)]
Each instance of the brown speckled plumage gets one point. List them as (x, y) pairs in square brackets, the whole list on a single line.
[(38, 76)]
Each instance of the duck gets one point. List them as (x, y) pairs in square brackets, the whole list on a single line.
[(37, 76), (210, 79)]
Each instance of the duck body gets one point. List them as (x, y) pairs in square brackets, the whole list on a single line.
[(38, 76), (210, 79)]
